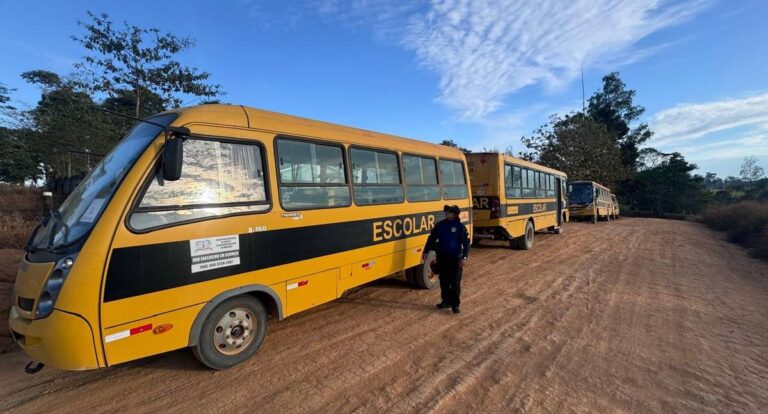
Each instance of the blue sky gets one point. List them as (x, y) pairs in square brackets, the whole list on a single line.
[(480, 72)]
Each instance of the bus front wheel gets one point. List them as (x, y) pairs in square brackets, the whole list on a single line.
[(422, 276), (232, 332)]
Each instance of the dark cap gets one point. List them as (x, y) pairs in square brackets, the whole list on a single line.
[(454, 209)]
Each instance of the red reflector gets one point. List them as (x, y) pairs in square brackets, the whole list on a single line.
[(303, 283), (140, 329)]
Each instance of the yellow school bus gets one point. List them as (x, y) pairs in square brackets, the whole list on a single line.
[(204, 222), (513, 198), (588, 200)]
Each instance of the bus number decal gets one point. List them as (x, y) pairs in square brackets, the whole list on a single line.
[(538, 208), (214, 252)]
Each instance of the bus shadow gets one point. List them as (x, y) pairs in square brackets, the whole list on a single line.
[(378, 303)]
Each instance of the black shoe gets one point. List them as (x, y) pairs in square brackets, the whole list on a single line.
[(442, 305), (456, 309)]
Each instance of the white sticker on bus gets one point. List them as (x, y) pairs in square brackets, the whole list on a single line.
[(214, 252)]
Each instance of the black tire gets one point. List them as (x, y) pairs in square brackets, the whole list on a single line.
[(561, 229), (217, 345), (594, 218), (524, 242), (475, 241), (421, 276)]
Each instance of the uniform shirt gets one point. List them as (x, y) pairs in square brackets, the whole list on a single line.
[(449, 238)]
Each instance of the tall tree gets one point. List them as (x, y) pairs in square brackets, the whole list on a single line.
[(67, 124), (750, 171), (139, 60), (5, 97), (17, 161), (614, 107), (579, 146)]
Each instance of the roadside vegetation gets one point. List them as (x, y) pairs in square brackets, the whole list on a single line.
[(740, 209)]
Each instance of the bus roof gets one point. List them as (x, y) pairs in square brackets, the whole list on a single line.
[(520, 162), (590, 182), (246, 117)]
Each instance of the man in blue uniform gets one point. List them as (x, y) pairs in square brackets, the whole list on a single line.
[(450, 241)]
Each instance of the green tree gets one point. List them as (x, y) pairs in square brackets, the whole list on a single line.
[(579, 146), (67, 122), (668, 187), (5, 97), (17, 161), (614, 107), (141, 61)]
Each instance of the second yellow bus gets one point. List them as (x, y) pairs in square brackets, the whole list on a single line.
[(513, 198)]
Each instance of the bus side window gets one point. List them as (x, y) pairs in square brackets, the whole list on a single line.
[(517, 182), (540, 187), (218, 178), (312, 175), (530, 186), (421, 178), (454, 182), (376, 177)]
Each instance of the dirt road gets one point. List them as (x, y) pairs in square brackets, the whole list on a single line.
[(636, 315)]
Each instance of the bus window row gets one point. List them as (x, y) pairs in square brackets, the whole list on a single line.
[(222, 177), (522, 182)]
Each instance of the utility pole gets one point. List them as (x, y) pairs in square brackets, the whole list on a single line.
[(583, 97)]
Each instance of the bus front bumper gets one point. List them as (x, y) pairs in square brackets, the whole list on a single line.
[(62, 340), (581, 211)]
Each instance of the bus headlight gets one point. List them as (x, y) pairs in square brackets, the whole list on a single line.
[(45, 304), (53, 286)]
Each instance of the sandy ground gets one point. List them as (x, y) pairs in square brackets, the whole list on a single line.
[(636, 315)]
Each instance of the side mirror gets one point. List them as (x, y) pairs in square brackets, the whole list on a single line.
[(173, 157)]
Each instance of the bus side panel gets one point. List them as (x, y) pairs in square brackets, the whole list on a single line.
[(308, 291), (154, 335)]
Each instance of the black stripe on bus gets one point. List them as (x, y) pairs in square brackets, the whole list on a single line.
[(151, 268), (483, 204)]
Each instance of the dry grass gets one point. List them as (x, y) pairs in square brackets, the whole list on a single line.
[(745, 223), (15, 230), (23, 200)]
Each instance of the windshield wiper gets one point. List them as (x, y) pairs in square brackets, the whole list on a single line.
[(58, 223)]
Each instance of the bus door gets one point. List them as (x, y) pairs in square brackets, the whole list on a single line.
[(560, 202)]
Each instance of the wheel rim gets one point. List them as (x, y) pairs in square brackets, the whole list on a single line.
[(234, 331)]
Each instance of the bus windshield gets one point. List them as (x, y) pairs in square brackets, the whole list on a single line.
[(581, 193), (80, 211)]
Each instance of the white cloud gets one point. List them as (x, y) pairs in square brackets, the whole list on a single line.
[(741, 147), (691, 121), (484, 50)]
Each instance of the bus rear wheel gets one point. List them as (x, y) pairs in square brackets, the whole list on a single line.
[(231, 333), (524, 242), (422, 276)]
